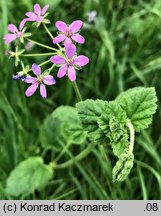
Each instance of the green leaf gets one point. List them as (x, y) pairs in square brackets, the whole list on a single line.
[(89, 111), (139, 104), (113, 109), (30, 175), (63, 125), (113, 123), (121, 145)]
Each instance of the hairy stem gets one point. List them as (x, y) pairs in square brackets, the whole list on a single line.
[(52, 37), (45, 62), (52, 67), (77, 91), (132, 136), (77, 158), (48, 31), (37, 54), (42, 45)]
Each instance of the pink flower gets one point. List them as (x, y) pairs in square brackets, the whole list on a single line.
[(35, 81), (15, 32), (38, 14), (69, 63), (67, 34)]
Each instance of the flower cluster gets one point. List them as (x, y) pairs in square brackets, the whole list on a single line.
[(64, 57)]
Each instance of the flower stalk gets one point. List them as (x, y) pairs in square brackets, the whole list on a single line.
[(75, 86), (37, 54), (132, 136), (77, 158), (42, 45)]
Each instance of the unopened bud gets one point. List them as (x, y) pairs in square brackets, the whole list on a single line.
[(123, 167)]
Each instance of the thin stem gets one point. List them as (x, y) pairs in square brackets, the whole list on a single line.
[(77, 91), (46, 28), (79, 157), (48, 31), (132, 136), (42, 45), (52, 67), (22, 65), (44, 63), (37, 54), (63, 151)]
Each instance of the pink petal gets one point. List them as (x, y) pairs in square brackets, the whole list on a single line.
[(31, 89), (36, 69), (9, 37), (49, 80), (22, 23), (75, 26), (44, 9), (57, 59), (39, 19), (61, 26), (81, 60), (31, 19), (62, 71), (37, 9), (78, 38), (12, 28), (68, 42), (29, 79), (43, 90), (71, 73), (31, 15), (59, 38), (70, 51)]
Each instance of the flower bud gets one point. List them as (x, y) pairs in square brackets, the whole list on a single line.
[(123, 167)]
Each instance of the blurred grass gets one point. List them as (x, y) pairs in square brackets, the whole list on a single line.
[(124, 50)]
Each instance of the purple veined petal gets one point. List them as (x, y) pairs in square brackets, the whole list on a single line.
[(71, 73), (81, 60), (70, 51), (57, 59), (62, 71), (31, 89), (12, 28), (22, 23), (29, 79), (43, 91), (61, 26), (78, 38), (36, 69), (44, 9), (37, 9), (76, 26), (59, 38), (67, 42), (49, 80), (31, 15), (9, 38)]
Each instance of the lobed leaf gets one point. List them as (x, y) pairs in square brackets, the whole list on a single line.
[(112, 122)]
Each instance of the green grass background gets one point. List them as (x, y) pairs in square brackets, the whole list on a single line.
[(124, 47)]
